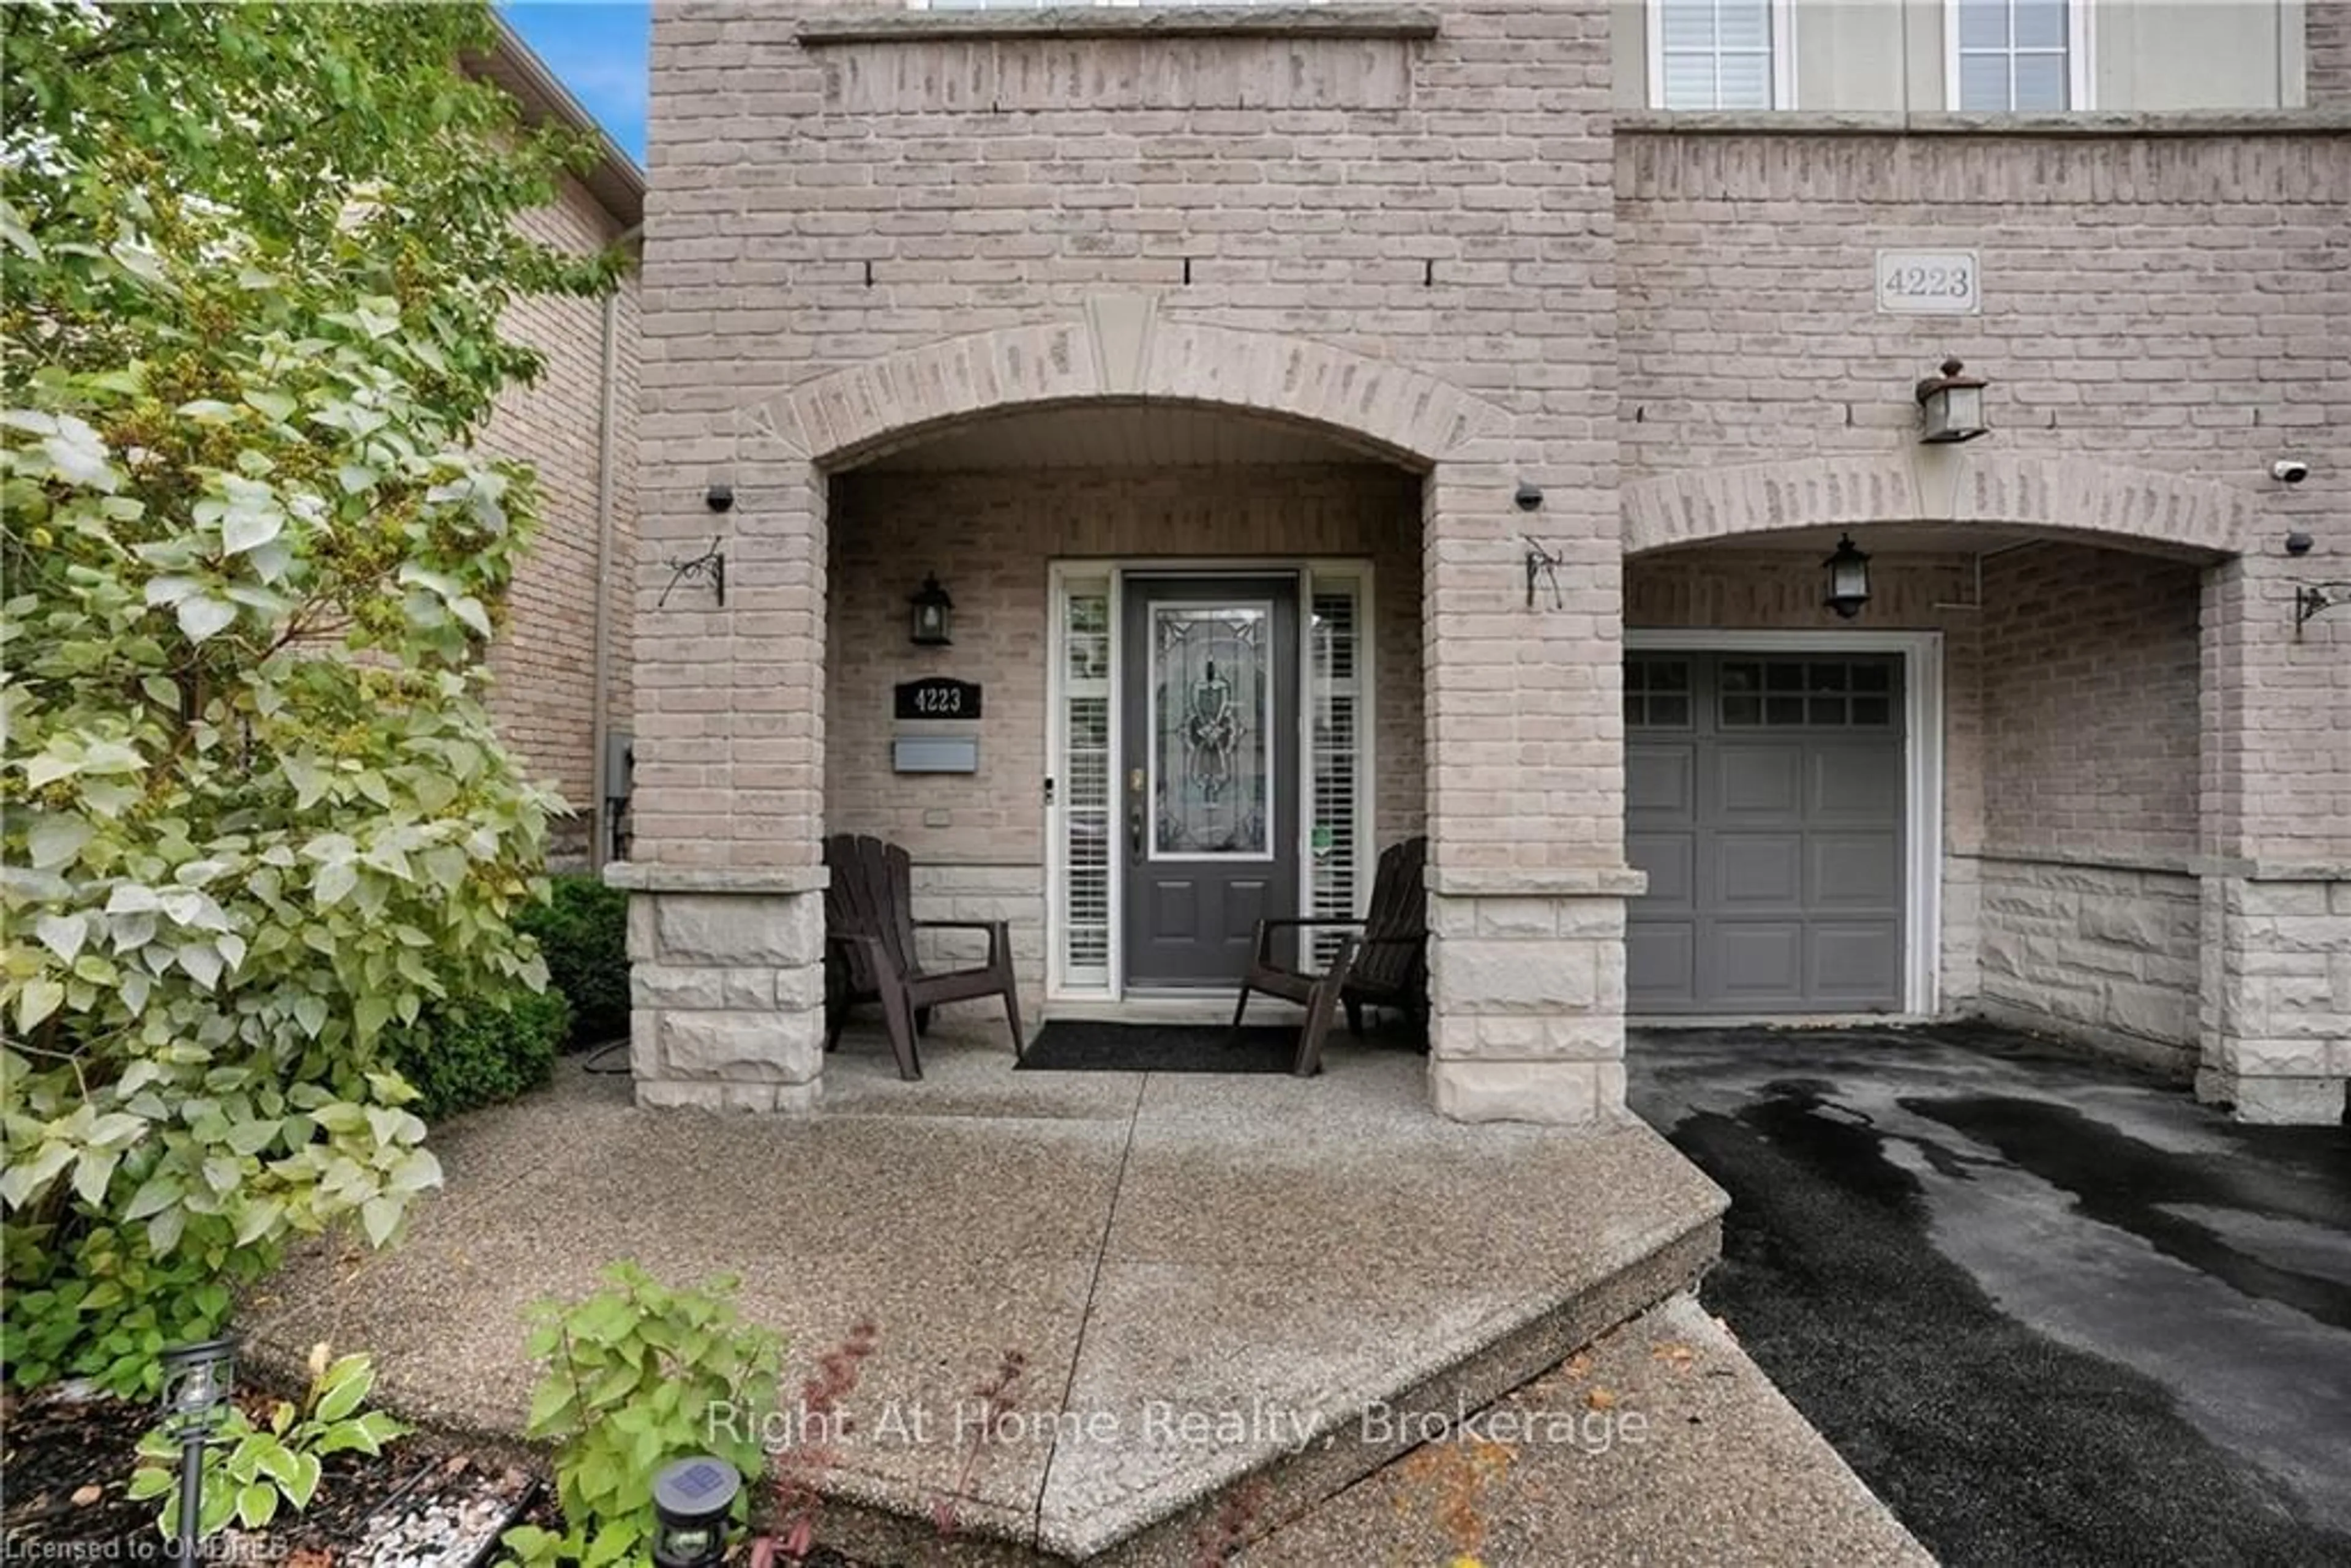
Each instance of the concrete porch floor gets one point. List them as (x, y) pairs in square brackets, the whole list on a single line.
[(1285, 1251)]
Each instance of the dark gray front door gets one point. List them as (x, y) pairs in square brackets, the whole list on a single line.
[(1210, 772), (1764, 797)]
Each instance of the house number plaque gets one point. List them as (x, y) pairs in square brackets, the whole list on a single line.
[(1929, 283), (938, 696)]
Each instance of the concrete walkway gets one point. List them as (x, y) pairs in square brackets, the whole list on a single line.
[(1211, 1278), (2052, 1310)]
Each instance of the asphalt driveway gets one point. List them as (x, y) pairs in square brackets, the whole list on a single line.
[(2051, 1310)]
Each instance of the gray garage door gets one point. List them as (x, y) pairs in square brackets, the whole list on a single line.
[(1763, 796)]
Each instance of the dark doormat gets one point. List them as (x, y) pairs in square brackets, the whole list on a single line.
[(1082, 1045)]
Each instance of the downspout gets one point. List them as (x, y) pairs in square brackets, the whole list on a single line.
[(599, 826)]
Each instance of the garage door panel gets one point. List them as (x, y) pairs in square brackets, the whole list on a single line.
[(1757, 962), (1854, 870), (1859, 963), (1661, 964), (1767, 869), (1774, 838), (1671, 861), (1854, 783), (1759, 780), (1661, 781)]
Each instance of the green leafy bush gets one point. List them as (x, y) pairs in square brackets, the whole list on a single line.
[(583, 935), (460, 1055), (631, 1374), (253, 811), (249, 1471)]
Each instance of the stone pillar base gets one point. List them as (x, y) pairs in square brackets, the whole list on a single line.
[(1527, 998), (2277, 997), (726, 987), (2289, 1102)]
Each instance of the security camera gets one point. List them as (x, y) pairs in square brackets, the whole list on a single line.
[(2290, 470)]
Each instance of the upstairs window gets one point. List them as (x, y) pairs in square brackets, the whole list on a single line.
[(1722, 54), (2020, 55)]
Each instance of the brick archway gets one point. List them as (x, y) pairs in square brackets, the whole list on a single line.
[(2075, 497), (1122, 347)]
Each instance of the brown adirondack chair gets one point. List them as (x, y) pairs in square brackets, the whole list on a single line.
[(1385, 965), (869, 952)]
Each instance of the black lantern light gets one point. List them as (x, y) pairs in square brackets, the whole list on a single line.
[(692, 1500), (1848, 569), (1954, 405), (197, 1382), (934, 614)]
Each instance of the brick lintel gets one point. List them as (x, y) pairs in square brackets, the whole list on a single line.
[(893, 25)]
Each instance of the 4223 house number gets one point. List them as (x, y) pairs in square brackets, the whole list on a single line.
[(1929, 283), (937, 697)]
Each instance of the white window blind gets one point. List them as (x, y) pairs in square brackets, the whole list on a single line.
[(2013, 54), (1716, 53)]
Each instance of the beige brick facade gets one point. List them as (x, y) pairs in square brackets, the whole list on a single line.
[(576, 425), (1422, 232), (544, 659)]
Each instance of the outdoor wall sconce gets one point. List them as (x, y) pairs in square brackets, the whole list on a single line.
[(197, 1382), (1543, 567), (1848, 569), (2311, 599), (934, 624), (720, 497), (692, 1500), (1954, 404), (709, 567)]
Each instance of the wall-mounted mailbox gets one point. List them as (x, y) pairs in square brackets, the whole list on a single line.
[(935, 753)]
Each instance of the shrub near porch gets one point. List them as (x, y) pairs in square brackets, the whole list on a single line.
[(256, 815)]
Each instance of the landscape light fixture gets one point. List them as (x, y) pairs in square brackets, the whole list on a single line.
[(934, 624), (197, 1382), (1954, 405), (692, 1501), (1848, 569)]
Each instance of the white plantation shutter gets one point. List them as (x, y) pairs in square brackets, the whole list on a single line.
[(1335, 707), (1087, 822)]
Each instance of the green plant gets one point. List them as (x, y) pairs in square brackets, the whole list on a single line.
[(459, 1055), (638, 1375), (253, 811), (582, 932), (249, 1471)]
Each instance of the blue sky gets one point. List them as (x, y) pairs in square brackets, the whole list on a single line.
[(597, 49)]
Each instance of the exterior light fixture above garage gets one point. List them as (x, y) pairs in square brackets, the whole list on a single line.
[(934, 614), (1954, 405), (1848, 570)]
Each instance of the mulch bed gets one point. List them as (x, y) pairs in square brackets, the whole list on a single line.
[(69, 1464), (419, 1504)]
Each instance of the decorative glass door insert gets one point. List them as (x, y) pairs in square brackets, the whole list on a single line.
[(1211, 683)]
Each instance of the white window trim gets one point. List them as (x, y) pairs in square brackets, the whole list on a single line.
[(1784, 55), (2080, 68), (1922, 771), (1060, 574)]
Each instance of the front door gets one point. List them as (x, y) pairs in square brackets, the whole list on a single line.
[(1209, 774)]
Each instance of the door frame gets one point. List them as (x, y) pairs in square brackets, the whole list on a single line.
[(1922, 770), (1059, 572)]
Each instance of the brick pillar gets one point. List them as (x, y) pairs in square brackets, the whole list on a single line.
[(2276, 984), (1527, 880), (727, 912)]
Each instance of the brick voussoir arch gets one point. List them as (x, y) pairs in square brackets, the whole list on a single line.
[(2076, 495), (1121, 350)]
